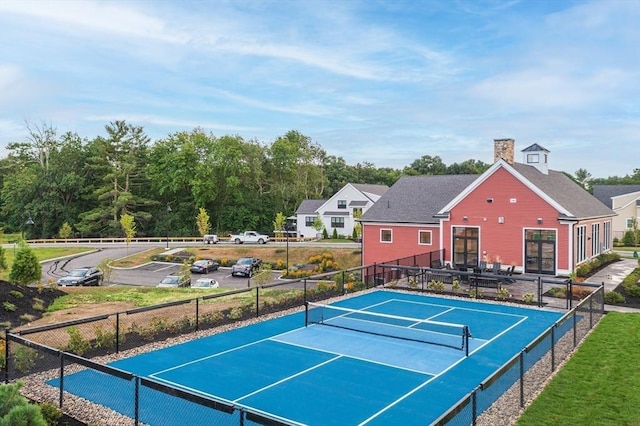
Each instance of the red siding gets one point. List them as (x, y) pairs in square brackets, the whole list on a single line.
[(404, 242), (519, 208)]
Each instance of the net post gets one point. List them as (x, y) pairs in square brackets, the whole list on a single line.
[(306, 313), (465, 340)]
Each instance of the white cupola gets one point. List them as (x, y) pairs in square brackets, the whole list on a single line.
[(536, 156)]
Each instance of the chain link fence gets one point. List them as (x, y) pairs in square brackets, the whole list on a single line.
[(44, 358)]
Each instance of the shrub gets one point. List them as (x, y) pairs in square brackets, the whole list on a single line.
[(9, 307), (77, 343), (16, 410), (325, 234), (334, 235), (25, 359), (613, 297), (437, 286), (503, 294), (104, 339), (593, 265), (475, 293), (16, 294), (455, 286), (50, 413), (528, 297), (3, 361)]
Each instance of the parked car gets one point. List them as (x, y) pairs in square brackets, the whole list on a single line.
[(205, 283), (204, 266), (210, 239), (87, 275), (246, 266), (249, 237), (175, 281)]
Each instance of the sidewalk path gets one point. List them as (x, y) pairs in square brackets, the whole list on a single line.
[(612, 275)]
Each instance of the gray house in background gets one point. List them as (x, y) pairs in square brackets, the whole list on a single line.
[(622, 199)]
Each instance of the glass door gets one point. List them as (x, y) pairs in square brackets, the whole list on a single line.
[(465, 247), (540, 252)]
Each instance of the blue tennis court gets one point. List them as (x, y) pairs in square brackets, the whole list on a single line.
[(409, 371)]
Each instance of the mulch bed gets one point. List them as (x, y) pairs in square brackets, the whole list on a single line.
[(29, 303)]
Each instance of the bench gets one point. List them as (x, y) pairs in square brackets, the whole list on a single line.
[(442, 277), (486, 282)]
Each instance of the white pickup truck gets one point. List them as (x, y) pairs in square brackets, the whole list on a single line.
[(249, 237)]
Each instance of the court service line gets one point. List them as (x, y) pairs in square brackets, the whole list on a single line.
[(286, 379), (460, 307), (405, 396), (498, 335), (235, 348), (411, 392), (353, 357), (224, 400)]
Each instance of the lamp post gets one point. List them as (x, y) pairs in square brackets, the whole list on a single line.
[(286, 230), (29, 222), (168, 213)]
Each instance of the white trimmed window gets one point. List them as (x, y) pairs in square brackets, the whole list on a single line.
[(581, 243), (606, 244), (595, 239), (424, 238)]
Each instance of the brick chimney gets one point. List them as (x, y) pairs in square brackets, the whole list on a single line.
[(503, 148)]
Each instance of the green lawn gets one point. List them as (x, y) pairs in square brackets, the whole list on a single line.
[(600, 385), (42, 253)]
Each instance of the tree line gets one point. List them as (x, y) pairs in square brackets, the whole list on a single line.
[(52, 182)]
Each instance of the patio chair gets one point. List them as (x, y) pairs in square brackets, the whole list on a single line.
[(496, 268)]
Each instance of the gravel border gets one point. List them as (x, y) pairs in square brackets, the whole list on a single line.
[(504, 411)]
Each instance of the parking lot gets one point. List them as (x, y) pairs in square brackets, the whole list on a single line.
[(148, 275)]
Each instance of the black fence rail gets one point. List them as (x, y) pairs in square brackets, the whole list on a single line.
[(522, 377), (48, 354)]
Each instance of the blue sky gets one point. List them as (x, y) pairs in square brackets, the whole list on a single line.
[(383, 82)]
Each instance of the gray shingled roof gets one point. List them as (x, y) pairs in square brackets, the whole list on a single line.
[(604, 193), (310, 206), (416, 199), (565, 192), (535, 147), (371, 188)]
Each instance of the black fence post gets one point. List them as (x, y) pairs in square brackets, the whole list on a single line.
[(197, 314), (6, 355), (474, 406), (136, 402), (117, 332), (575, 330), (570, 294), (257, 302), (553, 348), (539, 291), (522, 379), (60, 396), (305, 290)]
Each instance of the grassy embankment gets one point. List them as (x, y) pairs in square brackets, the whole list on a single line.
[(600, 384), (146, 296)]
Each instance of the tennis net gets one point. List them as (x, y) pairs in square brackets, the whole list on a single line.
[(426, 331)]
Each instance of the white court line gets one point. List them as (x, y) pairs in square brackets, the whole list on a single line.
[(226, 401), (458, 307), (411, 392), (351, 356), (235, 348), (299, 373), (441, 373)]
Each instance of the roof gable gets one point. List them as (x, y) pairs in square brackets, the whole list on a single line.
[(555, 188), (368, 192), (310, 206), (416, 199), (606, 193)]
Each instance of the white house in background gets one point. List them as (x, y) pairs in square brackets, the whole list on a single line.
[(622, 199), (338, 212)]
